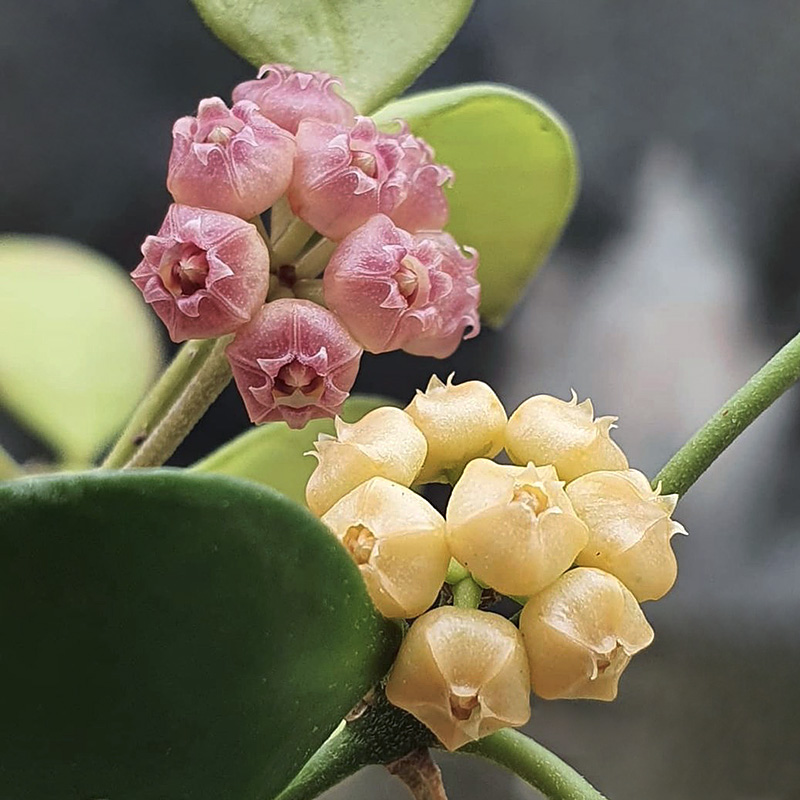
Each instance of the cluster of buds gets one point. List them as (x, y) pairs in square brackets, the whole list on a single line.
[(567, 530), (362, 207)]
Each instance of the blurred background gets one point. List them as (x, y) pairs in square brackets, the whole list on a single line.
[(677, 277)]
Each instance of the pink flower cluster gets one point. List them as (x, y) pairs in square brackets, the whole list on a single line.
[(394, 279)]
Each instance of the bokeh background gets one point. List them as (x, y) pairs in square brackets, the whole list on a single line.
[(677, 277)]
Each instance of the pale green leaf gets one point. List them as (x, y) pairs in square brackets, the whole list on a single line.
[(79, 344), (274, 454), (516, 179), (377, 47)]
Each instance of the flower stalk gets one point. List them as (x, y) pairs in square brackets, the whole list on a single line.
[(194, 379), (535, 764)]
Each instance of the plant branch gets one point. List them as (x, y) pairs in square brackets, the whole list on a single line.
[(421, 775), (756, 396), (535, 764), (9, 469), (194, 379)]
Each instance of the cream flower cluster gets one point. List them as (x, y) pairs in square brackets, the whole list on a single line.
[(567, 529)]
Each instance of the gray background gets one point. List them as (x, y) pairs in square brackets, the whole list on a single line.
[(677, 277)]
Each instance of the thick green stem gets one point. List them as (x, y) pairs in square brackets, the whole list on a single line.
[(384, 734), (756, 396), (194, 379), (535, 764), (467, 594), (9, 469), (203, 389), (148, 415)]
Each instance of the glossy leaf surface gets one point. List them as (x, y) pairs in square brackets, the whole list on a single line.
[(172, 635)]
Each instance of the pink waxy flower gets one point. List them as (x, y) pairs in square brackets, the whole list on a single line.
[(205, 273), (425, 206), (287, 96), (293, 362), (344, 176), (232, 160), (394, 289)]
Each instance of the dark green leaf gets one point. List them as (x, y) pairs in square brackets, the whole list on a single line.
[(169, 635)]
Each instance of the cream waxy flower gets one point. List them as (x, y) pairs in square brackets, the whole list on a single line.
[(513, 528), (580, 634), (287, 96), (384, 443), (205, 273), (546, 430), (393, 289), (460, 422), (397, 539), (232, 160), (293, 362), (629, 530), (463, 673)]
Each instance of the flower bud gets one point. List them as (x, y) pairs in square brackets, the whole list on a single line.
[(460, 423), (205, 273), (397, 539), (463, 673), (343, 176), (629, 530), (425, 206), (287, 97), (396, 290), (580, 633), (233, 160), (293, 362), (513, 528), (384, 443), (546, 430)]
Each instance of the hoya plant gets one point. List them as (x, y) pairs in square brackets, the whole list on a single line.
[(295, 606)]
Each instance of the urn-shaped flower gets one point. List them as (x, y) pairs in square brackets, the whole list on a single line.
[(630, 528), (463, 673), (384, 443), (288, 96), (514, 528), (546, 430), (460, 422), (580, 634), (293, 362), (395, 290), (232, 160), (205, 273), (397, 539)]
